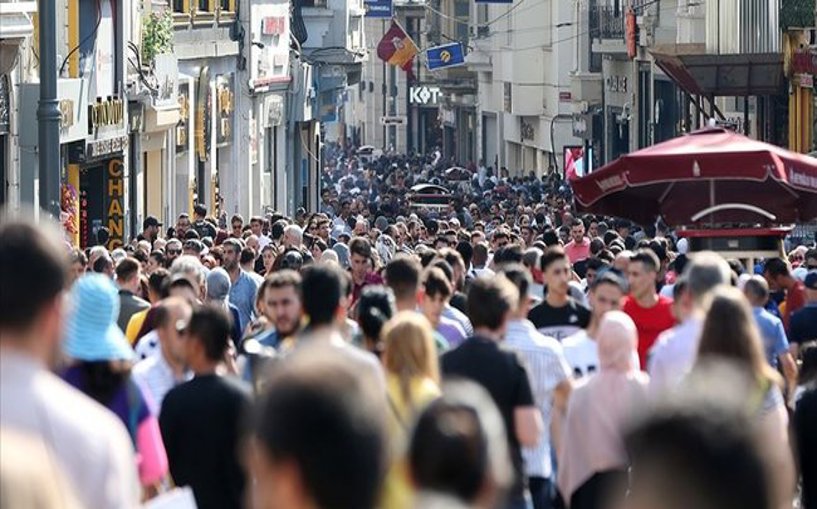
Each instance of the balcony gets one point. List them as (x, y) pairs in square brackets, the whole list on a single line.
[(607, 30), (15, 26)]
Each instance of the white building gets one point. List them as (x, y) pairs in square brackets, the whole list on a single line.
[(523, 54)]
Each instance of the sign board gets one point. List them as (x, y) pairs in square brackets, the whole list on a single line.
[(804, 80), (565, 97), (72, 97), (445, 56), (393, 120), (494, 1), (115, 203), (424, 95), (183, 127), (100, 149), (379, 9)]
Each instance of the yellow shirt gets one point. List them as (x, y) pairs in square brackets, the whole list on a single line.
[(135, 325), (397, 490)]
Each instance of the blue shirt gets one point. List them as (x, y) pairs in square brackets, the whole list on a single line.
[(772, 333), (242, 296)]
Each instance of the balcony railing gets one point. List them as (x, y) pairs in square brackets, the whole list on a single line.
[(607, 23)]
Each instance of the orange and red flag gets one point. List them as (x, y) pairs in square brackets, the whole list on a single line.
[(397, 48)]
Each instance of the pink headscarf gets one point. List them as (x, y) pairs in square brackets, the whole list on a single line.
[(599, 409)]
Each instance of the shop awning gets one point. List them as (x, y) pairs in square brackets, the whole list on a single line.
[(701, 73)]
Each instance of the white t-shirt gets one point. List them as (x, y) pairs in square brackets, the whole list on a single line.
[(582, 353)]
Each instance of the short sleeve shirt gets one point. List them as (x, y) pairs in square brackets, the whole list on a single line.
[(772, 334), (803, 325), (559, 322), (505, 378)]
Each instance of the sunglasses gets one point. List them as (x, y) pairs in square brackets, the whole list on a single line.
[(174, 251)]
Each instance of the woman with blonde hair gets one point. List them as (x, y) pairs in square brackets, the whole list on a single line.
[(730, 334), (412, 381)]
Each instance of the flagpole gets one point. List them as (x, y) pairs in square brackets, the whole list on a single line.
[(383, 89)]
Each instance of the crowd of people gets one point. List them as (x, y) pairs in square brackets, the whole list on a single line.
[(504, 352)]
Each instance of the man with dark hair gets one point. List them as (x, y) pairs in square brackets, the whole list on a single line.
[(435, 294), (128, 278), (550, 382), (778, 274), (458, 450), (280, 301), (558, 315), (182, 226), (651, 313), (89, 443), (606, 294), (491, 303), (243, 287), (201, 419), (150, 228), (319, 437), (403, 277), (200, 224), (325, 304), (578, 248), (701, 456), (360, 257)]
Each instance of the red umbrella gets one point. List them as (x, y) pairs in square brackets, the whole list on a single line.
[(709, 176)]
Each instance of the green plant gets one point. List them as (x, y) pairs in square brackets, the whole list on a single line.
[(157, 35)]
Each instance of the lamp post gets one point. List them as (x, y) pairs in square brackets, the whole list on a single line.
[(48, 112)]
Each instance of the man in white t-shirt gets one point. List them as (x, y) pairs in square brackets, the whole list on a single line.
[(606, 294)]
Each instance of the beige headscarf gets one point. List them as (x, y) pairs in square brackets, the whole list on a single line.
[(599, 409)]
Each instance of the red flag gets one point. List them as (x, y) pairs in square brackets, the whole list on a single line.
[(397, 48)]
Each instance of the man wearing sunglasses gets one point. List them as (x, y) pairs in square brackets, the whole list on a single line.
[(173, 250)]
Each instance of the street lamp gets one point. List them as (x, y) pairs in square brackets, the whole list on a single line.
[(48, 112)]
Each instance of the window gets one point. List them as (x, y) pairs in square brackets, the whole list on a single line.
[(181, 6)]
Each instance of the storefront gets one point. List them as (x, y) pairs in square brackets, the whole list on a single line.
[(97, 164), (618, 108)]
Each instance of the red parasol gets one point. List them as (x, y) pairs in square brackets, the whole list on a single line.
[(709, 176)]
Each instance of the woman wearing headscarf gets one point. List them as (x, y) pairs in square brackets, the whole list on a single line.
[(592, 459), (100, 360)]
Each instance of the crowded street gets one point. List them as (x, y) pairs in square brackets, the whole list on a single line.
[(408, 254)]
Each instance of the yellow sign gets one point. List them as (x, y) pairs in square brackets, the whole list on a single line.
[(116, 204), (106, 113)]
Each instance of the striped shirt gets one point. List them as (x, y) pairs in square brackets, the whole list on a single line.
[(155, 376), (547, 368)]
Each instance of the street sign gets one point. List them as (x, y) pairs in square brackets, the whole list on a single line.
[(445, 56), (378, 8), (393, 120)]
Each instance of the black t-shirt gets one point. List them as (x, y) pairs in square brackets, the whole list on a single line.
[(504, 377), (560, 322), (200, 423), (803, 324), (204, 229)]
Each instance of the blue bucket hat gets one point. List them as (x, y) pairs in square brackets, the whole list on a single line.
[(92, 333)]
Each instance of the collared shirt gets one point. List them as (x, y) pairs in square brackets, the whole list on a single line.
[(85, 440), (242, 296), (155, 376), (772, 334), (547, 368), (673, 355), (455, 314)]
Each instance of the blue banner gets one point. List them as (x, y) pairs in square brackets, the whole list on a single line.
[(444, 56), (493, 1), (378, 8)]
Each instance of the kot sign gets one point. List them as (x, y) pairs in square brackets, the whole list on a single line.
[(424, 95)]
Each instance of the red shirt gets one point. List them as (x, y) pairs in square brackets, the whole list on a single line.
[(650, 322), (578, 252), (795, 299)]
